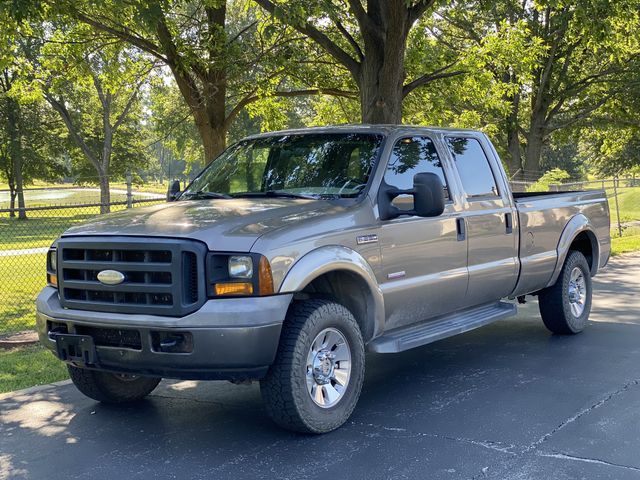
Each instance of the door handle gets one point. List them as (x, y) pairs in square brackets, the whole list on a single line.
[(508, 221), (461, 228)]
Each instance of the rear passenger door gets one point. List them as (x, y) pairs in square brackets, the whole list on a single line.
[(424, 260), (489, 220)]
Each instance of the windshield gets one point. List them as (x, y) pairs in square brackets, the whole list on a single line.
[(302, 165)]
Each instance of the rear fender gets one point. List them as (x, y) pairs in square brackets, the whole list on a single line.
[(574, 227)]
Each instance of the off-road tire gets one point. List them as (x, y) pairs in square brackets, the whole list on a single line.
[(284, 389), (109, 387), (554, 302)]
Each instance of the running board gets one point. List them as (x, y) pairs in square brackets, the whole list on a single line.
[(412, 336)]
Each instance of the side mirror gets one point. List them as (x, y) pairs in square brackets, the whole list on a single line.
[(174, 191), (428, 195)]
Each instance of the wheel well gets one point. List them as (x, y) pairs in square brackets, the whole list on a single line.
[(584, 243), (350, 290)]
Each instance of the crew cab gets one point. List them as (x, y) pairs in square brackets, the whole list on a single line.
[(293, 253)]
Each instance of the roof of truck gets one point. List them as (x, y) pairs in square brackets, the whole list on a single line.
[(365, 128)]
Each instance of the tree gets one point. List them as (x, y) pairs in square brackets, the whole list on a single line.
[(11, 149), (175, 143), (370, 42), (572, 57), (40, 147), (94, 87), (218, 52)]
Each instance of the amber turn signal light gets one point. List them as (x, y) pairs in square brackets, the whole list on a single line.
[(265, 278), (236, 288), (52, 279)]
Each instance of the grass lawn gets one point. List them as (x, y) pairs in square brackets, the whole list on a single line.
[(145, 187), (28, 366), (21, 279), (629, 202), (629, 242), (42, 227)]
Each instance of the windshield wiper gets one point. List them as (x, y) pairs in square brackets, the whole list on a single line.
[(201, 195), (276, 193)]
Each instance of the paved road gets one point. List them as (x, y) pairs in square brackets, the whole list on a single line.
[(508, 401)]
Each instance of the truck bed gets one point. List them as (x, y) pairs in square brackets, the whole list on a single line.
[(542, 219)]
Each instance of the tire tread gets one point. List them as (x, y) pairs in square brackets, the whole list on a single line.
[(105, 388), (552, 300)]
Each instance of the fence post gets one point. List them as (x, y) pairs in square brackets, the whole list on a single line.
[(615, 195), (129, 191)]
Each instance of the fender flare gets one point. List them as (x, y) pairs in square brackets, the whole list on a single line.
[(578, 224), (331, 258)]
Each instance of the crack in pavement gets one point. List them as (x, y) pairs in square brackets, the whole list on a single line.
[(564, 456), (583, 412), (489, 444)]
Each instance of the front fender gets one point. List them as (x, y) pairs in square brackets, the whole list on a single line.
[(332, 258), (574, 227)]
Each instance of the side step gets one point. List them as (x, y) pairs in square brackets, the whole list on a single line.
[(412, 336)]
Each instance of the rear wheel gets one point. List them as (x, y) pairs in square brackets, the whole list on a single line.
[(315, 382), (565, 306), (111, 387)]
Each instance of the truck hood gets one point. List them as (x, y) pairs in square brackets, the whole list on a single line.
[(223, 224)]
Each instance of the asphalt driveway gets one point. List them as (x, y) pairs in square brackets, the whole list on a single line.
[(508, 401)]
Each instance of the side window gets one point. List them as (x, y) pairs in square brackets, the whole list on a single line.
[(473, 167), (412, 155)]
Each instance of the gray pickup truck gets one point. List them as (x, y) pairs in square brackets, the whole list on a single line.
[(295, 252)]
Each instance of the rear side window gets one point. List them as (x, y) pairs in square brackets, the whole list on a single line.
[(413, 155), (473, 167)]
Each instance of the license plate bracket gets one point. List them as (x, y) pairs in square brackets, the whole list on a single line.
[(76, 348)]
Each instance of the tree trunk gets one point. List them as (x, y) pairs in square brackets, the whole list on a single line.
[(13, 119), (214, 140), (535, 142), (12, 202), (380, 95), (381, 76), (204, 92), (105, 194), (514, 161)]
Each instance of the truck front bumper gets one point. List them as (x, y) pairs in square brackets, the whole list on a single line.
[(226, 339)]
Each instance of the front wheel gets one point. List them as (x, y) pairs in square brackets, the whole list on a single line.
[(565, 306), (111, 387), (315, 382)]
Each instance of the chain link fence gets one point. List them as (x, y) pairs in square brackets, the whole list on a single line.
[(49, 211), (623, 194)]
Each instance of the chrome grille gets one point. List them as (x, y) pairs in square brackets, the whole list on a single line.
[(163, 277)]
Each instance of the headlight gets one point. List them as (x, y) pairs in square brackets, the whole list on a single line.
[(52, 267), (230, 274), (240, 266)]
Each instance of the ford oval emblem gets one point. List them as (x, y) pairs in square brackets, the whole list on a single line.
[(110, 277)]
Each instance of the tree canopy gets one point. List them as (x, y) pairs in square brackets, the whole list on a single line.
[(161, 87)]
